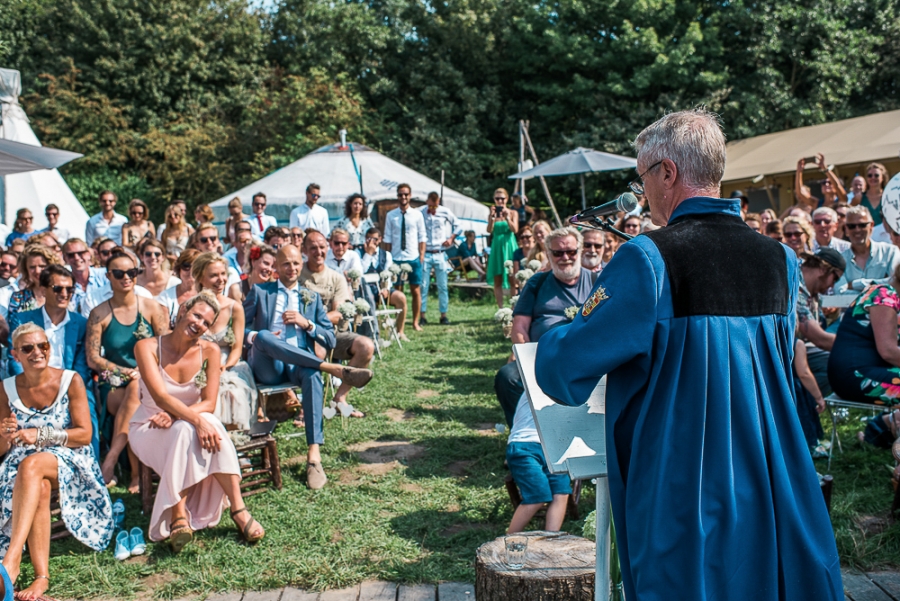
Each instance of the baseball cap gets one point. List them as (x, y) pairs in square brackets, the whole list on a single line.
[(830, 256)]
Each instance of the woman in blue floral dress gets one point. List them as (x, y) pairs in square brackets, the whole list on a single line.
[(864, 365), (45, 430)]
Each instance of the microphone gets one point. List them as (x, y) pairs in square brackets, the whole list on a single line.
[(624, 203)]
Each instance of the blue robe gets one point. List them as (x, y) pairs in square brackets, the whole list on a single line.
[(713, 490)]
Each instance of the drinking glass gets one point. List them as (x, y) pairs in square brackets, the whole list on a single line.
[(516, 546)]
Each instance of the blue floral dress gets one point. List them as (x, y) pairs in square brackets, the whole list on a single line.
[(84, 501)]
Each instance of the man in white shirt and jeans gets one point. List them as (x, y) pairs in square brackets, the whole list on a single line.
[(310, 214), (441, 229), (405, 238), (107, 223)]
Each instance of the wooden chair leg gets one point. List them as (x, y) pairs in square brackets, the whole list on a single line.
[(146, 487), (513, 490), (273, 462)]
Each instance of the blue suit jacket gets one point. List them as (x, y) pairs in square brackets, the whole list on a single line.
[(259, 309), (74, 354)]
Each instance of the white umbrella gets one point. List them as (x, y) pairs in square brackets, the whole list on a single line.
[(16, 157), (581, 161)]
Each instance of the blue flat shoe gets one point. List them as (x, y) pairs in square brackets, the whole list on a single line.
[(138, 546), (118, 511), (123, 546), (7, 584)]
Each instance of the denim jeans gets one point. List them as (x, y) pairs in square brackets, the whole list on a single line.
[(438, 261)]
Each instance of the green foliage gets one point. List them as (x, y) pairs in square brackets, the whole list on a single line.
[(87, 186)]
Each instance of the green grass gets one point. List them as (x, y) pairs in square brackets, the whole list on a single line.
[(422, 520), (418, 522)]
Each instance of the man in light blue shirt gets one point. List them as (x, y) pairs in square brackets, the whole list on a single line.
[(441, 229), (868, 262), (237, 254), (405, 239), (107, 223), (311, 214)]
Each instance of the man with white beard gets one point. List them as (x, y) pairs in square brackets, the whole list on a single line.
[(543, 303), (592, 250)]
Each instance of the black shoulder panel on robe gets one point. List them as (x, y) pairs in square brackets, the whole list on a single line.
[(719, 266)]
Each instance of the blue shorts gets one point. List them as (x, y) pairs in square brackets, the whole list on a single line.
[(528, 469), (415, 277)]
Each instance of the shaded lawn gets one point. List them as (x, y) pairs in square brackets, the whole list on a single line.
[(417, 520)]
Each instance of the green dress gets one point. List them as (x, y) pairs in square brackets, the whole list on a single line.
[(118, 342), (877, 218), (503, 245)]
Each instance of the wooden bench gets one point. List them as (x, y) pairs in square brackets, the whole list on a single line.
[(260, 471)]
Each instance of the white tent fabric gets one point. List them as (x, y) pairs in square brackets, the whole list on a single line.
[(335, 169), (35, 189)]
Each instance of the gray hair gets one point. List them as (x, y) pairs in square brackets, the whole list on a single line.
[(564, 232), (859, 211), (693, 140), (826, 211)]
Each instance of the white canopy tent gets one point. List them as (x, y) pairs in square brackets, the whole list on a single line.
[(342, 171), (35, 189)]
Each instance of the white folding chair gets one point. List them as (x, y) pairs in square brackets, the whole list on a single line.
[(384, 312), (265, 391), (835, 402)]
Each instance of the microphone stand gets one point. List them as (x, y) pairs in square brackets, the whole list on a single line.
[(608, 225)]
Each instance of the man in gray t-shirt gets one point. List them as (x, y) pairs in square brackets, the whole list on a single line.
[(542, 305)]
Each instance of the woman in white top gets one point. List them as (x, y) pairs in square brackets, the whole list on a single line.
[(355, 221), (237, 388), (173, 298), (156, 276), (175, 232)]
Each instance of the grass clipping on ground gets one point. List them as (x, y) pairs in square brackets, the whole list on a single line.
[(414, 488)]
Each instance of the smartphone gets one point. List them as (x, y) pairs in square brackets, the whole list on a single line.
[(811, 161), (498, 210)]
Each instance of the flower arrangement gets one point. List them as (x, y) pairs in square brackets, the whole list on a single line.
[(143, 330), (362, 308), (239, 438), (508, 266), (513, 300), (354, 275), (200, 378), (571, 312), (523, 276), (229, 338), (505, 317), (405, 270), (347, 310), (385, 278), (534, 265), (114, 377), (394, 269), (307, 296)]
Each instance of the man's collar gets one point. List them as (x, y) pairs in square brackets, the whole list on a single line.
[(281, 285), (705, 205), (49, 321)]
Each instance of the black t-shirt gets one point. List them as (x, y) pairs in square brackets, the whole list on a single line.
[(545, 299)]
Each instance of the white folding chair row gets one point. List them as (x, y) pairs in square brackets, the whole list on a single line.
[(836, 402)]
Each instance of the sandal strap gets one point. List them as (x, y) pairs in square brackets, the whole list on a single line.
[(238, 511), (248, 527)]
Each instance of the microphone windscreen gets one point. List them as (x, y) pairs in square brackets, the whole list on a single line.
[(627, 202)]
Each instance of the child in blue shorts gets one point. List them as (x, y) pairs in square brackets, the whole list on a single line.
[(529, 469)]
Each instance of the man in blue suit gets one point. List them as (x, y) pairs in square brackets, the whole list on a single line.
[(283, 322), (66, 333)]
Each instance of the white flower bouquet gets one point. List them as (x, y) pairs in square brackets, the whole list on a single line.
[(505, 317), (534, 265), (385, 278), (355, 276), (523, 276), (405, 270), (513, 300), (508, 266), (571, 312)]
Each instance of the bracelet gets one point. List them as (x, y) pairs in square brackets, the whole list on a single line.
[(51, 437)]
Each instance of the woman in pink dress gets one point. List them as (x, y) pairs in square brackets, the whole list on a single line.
[(175, 433)]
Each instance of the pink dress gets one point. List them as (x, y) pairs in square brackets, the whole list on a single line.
[(176, 455)]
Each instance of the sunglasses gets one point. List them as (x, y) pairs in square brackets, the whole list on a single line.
[(373, 239), (52, 214), (315, 196), (822, 221), (339, 243), (528, 237), (151, 255), (592, 245), (206, 239), (569, 253), (70, 290), (871, 175), (105, 253), (402, 194), (136, 212), (300, 235), (793, 234), (76, 253), (26, 218), (121, 273), (631, 225), (184, 266), (853, 226), (259, 204), (8, 265), (29, 348)]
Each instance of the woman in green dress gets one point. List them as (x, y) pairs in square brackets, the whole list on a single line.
[(503, 225), (112, 331)]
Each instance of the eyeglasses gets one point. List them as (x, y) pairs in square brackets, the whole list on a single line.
[(70, 290), (559, 253), (853, 226), (592, 245), (637, 185), (822, 221), (121, 273), (792, 234), (152, 255), (27, 349), (206, 239)]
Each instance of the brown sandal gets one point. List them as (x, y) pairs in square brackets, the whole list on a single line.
[(245, 532), (180, 536)]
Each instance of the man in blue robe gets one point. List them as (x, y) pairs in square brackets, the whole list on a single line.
[(713, 490)]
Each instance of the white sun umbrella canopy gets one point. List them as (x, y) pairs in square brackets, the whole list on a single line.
[(337, 170), (35, 189), (579, 161), (16, 157)]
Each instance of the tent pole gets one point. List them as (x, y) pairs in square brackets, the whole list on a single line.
[(543, 181), (521, 182), (442, 186), (583, 199), (360, 181)]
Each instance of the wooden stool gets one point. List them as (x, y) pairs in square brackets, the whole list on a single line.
[(260, 470), (558, 566), (515, 498)]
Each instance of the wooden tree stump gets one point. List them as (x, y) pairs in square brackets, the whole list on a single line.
[(557, 566)]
